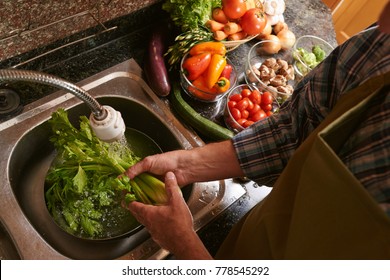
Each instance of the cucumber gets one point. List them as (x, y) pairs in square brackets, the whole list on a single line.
[(201, 124)]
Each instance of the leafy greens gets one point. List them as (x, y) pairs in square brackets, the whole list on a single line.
[(190, 17), (83, 183), (189, 14)]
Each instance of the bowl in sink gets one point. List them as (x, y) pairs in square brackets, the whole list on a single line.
[(33, 156)]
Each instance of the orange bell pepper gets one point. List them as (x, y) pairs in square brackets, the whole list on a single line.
[(222, 84), (200, 90), (211, 47), (213, 72)]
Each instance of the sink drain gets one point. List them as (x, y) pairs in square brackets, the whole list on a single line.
[(9, 103)]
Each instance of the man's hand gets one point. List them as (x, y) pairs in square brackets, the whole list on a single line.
[(171, 225)]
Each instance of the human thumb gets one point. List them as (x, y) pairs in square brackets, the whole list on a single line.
[(171, 186)]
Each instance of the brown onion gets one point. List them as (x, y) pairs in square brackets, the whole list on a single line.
[(287, 38), (271, 44), (280, 26), (266, 31)]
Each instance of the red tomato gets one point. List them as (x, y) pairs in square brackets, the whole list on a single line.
[(235, 97), (234, 9), (269, 113), (246, 92), (231, 104), (250, 103), (235, 113), (256, 107), (248, 123), (255, 97), (266, 98), (243, 104), (266, 107), (242, 121), (259, 115), (253, 21), (244, 114)]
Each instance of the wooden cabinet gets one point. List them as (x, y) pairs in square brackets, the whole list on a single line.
[(331, 3), (352, 16)]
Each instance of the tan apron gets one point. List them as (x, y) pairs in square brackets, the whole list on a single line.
[(317, 208)]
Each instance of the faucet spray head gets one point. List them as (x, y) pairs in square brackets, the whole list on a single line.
[(109, 129)]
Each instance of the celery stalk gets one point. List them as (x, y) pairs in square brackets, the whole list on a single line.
[(153, 187), (141, 196)]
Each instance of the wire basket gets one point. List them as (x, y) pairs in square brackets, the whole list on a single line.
[(231, 45)]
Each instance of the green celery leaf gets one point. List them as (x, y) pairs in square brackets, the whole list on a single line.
[(80, 180)]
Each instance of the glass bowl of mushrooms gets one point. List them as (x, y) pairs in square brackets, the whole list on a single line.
[(269, 67)]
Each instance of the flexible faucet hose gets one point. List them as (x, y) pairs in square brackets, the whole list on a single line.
[(42, 78)]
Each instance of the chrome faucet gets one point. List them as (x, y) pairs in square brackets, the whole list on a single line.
[(106, 122)]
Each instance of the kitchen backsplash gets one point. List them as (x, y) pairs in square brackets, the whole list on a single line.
[(29, 24)]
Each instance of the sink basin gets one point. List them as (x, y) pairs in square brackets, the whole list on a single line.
[(27, 154)]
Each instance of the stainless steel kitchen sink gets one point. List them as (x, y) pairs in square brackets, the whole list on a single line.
[(26, 154)]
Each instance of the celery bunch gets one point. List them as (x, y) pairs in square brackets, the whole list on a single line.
[(83, 182)]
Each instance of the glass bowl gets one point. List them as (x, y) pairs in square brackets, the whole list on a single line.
[(203, 95), (307, 43), (269, 71), (249, 111)]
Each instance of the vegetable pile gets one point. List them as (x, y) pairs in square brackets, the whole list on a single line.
[(280, 37), (218, 20), (275, 73), (83, 184), (190, 17), (207, 69), (307, 60), (236, 20), (247, 107), (190, 14)]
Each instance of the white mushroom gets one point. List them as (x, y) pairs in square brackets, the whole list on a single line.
[(290, 88), (287, 89), (270, 62), (288, 73), (282, 64), (252, 75), (266, 74), (278, 80)]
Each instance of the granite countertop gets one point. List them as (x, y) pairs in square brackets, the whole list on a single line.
[(81, 60)]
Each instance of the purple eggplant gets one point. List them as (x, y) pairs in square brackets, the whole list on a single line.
[(155, 68)]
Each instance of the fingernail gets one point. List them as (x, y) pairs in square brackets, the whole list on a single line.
[(170, 176)]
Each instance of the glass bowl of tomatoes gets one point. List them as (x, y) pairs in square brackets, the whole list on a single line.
[(246, 105), (208, 83), (270, 67)]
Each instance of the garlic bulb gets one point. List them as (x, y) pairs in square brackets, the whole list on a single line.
[(274, 7), (275, 19)]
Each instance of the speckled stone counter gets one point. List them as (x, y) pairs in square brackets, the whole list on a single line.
[(91, 56)]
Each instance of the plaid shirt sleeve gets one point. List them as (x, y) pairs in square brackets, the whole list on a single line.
[(265, 148)]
